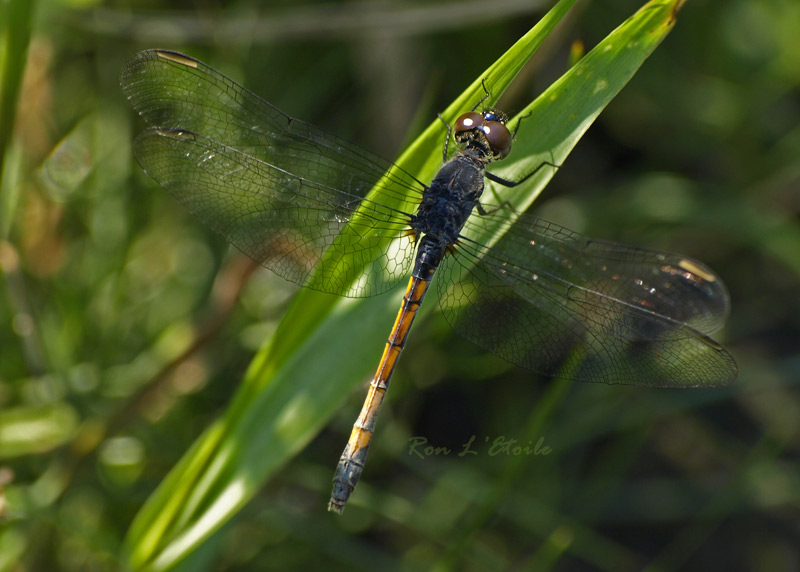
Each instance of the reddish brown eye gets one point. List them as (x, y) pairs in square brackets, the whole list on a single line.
[(468, 122), (498, 137)]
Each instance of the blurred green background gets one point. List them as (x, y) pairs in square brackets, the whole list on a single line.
[(125, 325)]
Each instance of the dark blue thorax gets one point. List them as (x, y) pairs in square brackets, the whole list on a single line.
[(448, 202), (445, 207)]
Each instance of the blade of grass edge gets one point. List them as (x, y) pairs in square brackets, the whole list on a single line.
[(274, 411), (584, 91), (216, 477), (16, 19), (423, 158)]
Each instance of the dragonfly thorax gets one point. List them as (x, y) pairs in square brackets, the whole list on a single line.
[(448, 202)]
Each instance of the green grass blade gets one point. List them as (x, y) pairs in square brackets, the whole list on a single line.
[(326, 346), (15, 31)]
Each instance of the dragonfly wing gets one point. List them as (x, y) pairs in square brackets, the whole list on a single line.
[(542, 293), (172, 90), (289, 224), (668, 284), (203, 120)]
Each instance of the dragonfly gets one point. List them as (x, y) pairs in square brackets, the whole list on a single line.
[(326, 214)]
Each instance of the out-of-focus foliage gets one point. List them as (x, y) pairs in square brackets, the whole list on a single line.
[(121, 338)]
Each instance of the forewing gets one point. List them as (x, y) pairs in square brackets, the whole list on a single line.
[(231, 158)]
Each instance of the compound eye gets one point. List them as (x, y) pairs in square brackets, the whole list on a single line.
[(499, 137), (468, 122)]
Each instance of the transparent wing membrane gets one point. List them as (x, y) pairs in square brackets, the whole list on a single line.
[(328, 215), (279, 189), (541, 293)]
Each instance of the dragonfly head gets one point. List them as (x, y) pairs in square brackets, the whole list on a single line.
[(485, 131)]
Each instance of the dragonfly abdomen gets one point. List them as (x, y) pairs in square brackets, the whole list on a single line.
[(351, 463)]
